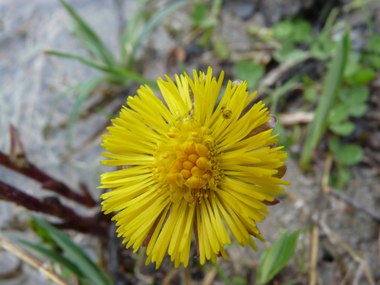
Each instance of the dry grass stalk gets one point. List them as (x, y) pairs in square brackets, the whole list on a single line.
[(336, 240), (314, 255), (26, 258)]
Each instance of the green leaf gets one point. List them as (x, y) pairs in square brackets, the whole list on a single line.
[(357, 95), (334, 144), (310, 94), (301, 31), (118, 72), (89, 269), (250, 71), (342, 128), (90, 36), (363, 75), (374, 44), (358, 110), (220, 46), (238, 280), (85, 89), (344, 175), (341, 178), (288, 53), (339, 113), (349, 154), (200, 13), (331, 90), (156, 19), (322, 47), (283, 30), (279, 92), (130, 34), (57, 257), (353, 64), (285, 140), (292, 56), (372, 59), (209, 23), (277, 257), (43, 234)]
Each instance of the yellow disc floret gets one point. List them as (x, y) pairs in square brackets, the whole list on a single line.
[(186, 161)]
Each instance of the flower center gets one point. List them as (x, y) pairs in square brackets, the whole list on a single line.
[(185, 160)]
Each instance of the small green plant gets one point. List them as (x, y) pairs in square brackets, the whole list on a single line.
[(291, 33), (351, 102), (72, 258), (251, 70), (295, 32), (120, 73), (344, 156), (205, 19), (275, 258)]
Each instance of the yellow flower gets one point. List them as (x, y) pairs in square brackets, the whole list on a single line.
[(196, 166)]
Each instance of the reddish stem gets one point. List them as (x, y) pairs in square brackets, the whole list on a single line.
[(49, 183), (53, 207)]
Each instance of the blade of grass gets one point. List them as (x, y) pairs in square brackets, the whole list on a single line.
[(279, 92), (156, 19), (104, 113), (90, 269), (222, 275), (92, 49), (331, 89), (119, 72), (57, 257), (59, 98), (91, 35), (367, 17), (330, 21), (275, 258), (85, 89), (215, 7), (130, 34)]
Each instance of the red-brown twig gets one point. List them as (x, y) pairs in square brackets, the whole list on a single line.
[(18, 162), (47, 182), (52, 207)]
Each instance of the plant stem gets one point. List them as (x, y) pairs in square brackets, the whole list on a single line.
[(47, 182), (52, 206)]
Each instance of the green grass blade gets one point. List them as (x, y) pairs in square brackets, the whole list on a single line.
[(222, 275), (279, 92), (128, 39), (136, 77), (118, 72), (91, 270), (275, 258), (85, 89), (90, 35), (59, 98), (51, 254), (92, 49), (330, 21), (156, 19), (332, 85), (78, 58)]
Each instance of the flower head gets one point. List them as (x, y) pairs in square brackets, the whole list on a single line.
[(196, 166)]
